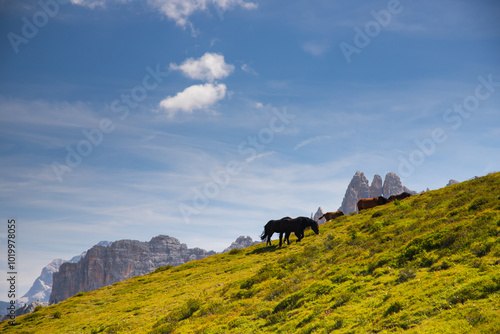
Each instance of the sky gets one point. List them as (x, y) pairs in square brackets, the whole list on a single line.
[(204, 119)]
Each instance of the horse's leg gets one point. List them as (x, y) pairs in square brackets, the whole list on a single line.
[(281, 236), (287, 237), (299, 236), (269, 235)]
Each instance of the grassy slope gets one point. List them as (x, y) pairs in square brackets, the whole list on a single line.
[(427, 264)]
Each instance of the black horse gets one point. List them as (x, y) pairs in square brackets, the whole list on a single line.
[(288, 225), (271, 227)]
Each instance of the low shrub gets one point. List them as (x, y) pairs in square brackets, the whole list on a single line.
[(425, 259), (235, 251), (442, 265), (395, 307), (341, 299), (164, 329), (479, 288), (211, 308), (265, 273), (339, 323), (181, 313), (164, 268), (477, 204), (480, 249), (406, 274), (475, 317), (376, 226), (290, 303)]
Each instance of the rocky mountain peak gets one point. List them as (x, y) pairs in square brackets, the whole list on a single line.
[(42, 287), (392, 185), (359, 187), (376, 188), (318, 214)]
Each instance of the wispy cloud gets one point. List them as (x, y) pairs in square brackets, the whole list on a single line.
[(258, 156), (248, 69), (310, 141), (315, 48), (176, 10)]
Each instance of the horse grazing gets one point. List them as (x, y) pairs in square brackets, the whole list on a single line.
[(271, 227), (331, 215), (297, 225), (398, 197), (368, 203), (286, 226)]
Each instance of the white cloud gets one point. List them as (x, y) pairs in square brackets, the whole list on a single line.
[(193, 98), (179, 10), (209, 67)]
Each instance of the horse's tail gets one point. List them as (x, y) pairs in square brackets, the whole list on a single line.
[(263, 236)]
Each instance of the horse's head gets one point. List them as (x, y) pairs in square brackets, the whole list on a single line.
[(312, 223), (315, 227)]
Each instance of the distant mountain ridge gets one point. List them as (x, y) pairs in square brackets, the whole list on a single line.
[(241, 242), (105, 265)]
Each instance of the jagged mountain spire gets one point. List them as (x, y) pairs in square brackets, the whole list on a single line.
[(359, 187)]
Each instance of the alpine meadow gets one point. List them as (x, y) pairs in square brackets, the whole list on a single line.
[(429, 263)]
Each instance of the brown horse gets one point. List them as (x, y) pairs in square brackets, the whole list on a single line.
[(398, 197), (331, 215), (368, 203)]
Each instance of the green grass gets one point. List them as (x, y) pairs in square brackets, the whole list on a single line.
[(427, 264)]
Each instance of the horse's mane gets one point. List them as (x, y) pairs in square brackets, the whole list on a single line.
[(306, 221)]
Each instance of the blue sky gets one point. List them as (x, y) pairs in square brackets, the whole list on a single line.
[(203, 119)]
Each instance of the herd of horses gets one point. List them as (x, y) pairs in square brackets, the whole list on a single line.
[(368, 203), (286, 225)]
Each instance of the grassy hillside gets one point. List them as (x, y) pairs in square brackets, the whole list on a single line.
[(426, 264)]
